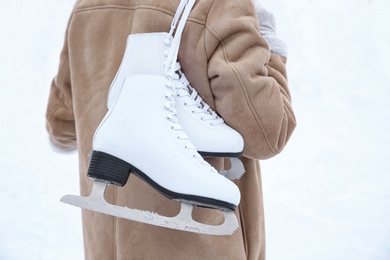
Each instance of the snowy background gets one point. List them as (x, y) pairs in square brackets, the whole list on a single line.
[(327, 196)]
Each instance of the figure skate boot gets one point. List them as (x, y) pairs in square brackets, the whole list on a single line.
[(142, 121)]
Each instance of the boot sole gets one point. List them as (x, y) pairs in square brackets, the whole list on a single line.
[(110, 169), (211, 154)]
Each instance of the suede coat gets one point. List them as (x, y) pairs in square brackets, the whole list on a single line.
[(228, 62)]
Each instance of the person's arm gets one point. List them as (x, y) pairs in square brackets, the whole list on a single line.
[(249, 83), (60, 123)]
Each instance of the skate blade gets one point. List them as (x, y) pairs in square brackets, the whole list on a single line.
[(183, 221), (236, 170)]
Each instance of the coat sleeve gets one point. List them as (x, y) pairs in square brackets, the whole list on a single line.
[(249, 83), (60, 122)]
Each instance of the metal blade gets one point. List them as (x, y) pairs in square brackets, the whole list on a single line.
[(236, 170), (183, 221)]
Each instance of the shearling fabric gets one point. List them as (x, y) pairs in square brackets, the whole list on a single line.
[(229, 63)]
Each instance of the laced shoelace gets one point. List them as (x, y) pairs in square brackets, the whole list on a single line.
[(195, 100), (170, 68)]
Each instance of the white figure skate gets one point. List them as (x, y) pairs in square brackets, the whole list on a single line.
[(142, 121)]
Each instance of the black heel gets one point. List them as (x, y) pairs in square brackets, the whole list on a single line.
[(107, 168)]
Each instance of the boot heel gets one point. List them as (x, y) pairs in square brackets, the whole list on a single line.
[(107, 168)]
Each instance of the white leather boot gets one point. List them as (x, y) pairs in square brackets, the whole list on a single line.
[(141, 133)]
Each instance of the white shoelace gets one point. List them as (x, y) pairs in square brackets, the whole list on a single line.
[(174, 50), (170, 66), (170, 105), (184, 88), (195, 100)]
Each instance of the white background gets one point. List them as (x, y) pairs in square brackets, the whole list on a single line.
[(327, 196)]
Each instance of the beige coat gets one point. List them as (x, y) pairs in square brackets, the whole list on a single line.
[(228, 62)]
